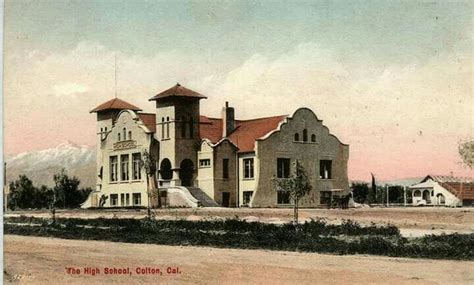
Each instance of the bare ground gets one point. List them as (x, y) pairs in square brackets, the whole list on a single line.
[(428, 218), (38, 260)]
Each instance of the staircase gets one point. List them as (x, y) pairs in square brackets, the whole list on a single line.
[(202, 197)]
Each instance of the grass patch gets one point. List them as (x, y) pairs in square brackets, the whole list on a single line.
[(313, 236)]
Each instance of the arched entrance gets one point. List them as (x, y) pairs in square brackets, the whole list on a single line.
[(441, 199), (427, 196), (165, 169), (186, 171)]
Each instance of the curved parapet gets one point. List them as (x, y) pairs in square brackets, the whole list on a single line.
[(179, 196)]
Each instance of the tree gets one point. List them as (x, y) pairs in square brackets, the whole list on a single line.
[(66, 189), (22, 193), (360, 191), (149, 163), (466, 151), (297, 186)]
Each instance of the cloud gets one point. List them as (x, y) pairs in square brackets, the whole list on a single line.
[(69, 88)]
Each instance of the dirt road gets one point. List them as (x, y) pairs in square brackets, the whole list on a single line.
[(37, 260)]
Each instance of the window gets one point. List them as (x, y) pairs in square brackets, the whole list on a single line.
[(283, 197), (313, 138), (162, 127), (129, 135), (225, 168), (137, 199), (118, 136), (124, 134), (417, 193), (168, 127), (248, 168), (191, 128), (325, 169), (113, 168), (124, 167), (127, 199), (305, 135), (247, 196), (297, 137), (122, 199), (183, 128), (136, 173), (204, 163), (113, 199), (283, 167)]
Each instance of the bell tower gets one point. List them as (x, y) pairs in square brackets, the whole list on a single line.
[(177, 119)]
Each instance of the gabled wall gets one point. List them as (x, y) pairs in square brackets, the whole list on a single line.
[(281, 143)]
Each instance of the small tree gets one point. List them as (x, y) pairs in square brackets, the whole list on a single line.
[(360, 191), (466, 151), (149, 163), (297, 186)]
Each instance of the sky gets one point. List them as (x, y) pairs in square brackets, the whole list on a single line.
[(391, 79)]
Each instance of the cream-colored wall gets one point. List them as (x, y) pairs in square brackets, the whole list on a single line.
[(281, 143), (247, 184), (432, 186), (206, 174), (141, 139)]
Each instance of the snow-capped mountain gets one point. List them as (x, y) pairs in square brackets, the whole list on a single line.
[(40, 166)]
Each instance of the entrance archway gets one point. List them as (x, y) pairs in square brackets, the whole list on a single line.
[(427, 196), (441, 199), (186, 171), (165, 169)]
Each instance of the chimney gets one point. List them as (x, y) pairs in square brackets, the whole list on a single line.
[(228, 123)]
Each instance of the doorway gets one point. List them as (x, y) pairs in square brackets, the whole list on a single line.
[(225, 199), (186, 172)]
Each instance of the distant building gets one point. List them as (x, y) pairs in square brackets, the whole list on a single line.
[(440, 190), (211, 161)]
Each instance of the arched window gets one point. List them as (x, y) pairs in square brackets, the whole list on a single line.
[(297, 137), (417, 193), (124, 134), (118, 136), (191, 128), (305, 135), (168, 127), (129, 135), (162, 127), (313, 138)]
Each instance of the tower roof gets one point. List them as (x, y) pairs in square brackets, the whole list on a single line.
[(115, 104), (177, 91)]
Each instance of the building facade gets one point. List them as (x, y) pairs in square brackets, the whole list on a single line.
[(211, 161), (443, 190)]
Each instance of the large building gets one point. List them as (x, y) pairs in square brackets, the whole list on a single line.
[(443, 190), (211, 161)]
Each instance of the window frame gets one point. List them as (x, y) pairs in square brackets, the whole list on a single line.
[(114, 199), (282, 197), (113, 168), (225, 168), (285, 172), (139, 196), (248, 170), (204, 163), (322, 173), (125, 165), (136, 166)]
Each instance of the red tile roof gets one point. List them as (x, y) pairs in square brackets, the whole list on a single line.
[(246, 131), (115, 104), (149, 120), (177, 91), (461, 187)]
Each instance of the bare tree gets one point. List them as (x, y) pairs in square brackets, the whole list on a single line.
[(297, 186), (466, 151)]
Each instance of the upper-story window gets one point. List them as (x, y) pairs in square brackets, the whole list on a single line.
[(113, 168), (225, 168), (313, 138), (183, 128), (283, 167), (136, 173), (167, 127), (305, 135), (129, 135), (204, 162), (124, 134), (162, 127), (124, 167), (297, 137), (248, 168), (325, 169), (191, 128), (118, 136)]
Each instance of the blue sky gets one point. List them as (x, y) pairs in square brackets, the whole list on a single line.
[(391, 78)]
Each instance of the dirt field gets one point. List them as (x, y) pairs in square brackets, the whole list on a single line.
[(37, 260), (428, 218)]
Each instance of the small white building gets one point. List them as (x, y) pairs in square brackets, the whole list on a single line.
[(438, 190)]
